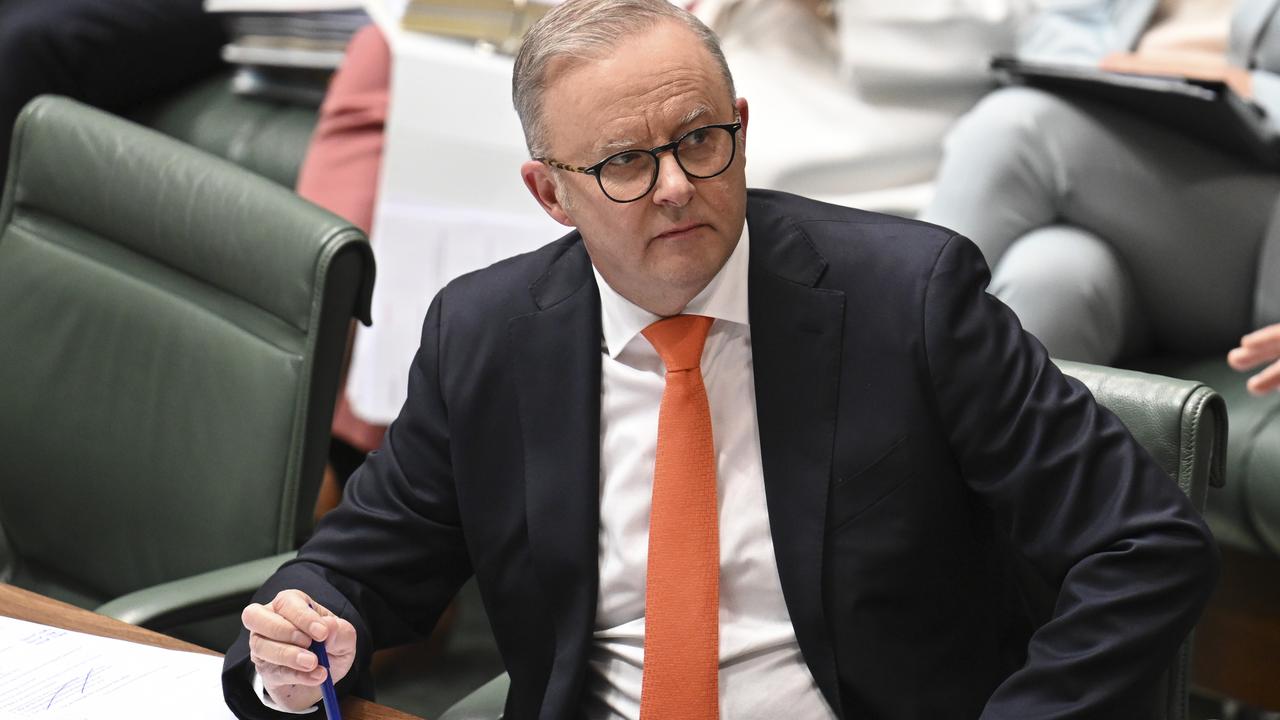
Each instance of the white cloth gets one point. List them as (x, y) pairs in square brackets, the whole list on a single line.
[(762, 674), (450, 197), (855, 114), (261, 691)]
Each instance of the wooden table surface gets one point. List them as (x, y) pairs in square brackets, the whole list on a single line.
[(23, 605)]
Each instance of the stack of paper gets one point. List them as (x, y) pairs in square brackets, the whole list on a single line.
[(53, 674), (499, 22), (223, 6), (287, 49)]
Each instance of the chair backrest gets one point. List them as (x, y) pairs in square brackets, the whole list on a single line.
[(267, 137), (171, 338), (1183, 424)]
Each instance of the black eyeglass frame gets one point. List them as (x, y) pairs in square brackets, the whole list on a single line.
[(732, 128)]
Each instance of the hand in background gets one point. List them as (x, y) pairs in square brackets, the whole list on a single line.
[(1256, 348), (1192, 65), (280, 634)]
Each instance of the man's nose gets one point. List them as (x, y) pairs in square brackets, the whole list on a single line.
[(673, 187)]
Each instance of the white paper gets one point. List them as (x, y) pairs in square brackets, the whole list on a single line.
[(216, 6), (387, 14), (54, 674), (281, 56)]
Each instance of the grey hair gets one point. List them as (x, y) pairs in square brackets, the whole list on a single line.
[(587, 30)]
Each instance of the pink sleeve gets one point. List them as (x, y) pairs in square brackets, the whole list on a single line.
[(340, 171)]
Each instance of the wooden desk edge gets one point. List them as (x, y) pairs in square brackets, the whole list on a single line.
[(25, 605)]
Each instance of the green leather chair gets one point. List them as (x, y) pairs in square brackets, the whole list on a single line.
[(1238, 655), (1246, 515), (1183, 424), (265, 136), (170, 346)]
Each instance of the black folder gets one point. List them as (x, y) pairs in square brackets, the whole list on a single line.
[(1205, 109)]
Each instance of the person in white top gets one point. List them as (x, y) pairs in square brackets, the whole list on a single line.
[(888, 445)]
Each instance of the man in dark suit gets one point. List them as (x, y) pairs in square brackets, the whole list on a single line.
[(900, 476)]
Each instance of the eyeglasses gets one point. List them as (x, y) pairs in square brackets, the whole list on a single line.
[(627, 176)]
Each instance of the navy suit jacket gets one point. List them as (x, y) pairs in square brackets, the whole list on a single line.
[(960, 530)]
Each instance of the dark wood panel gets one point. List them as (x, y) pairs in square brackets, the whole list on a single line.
[(18, 603), (1237, 643)]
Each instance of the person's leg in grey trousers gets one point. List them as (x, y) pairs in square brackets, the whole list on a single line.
[(1178, 219)]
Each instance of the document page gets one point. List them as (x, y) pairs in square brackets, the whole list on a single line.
[(54, 674)]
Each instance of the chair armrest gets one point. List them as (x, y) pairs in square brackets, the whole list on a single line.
[(1182, 423), (484, 703), (197, 597)]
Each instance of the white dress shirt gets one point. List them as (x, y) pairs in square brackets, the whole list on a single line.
[(762, 674)]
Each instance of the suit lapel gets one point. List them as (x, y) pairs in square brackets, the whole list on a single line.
[(556, 354), (796, 336)]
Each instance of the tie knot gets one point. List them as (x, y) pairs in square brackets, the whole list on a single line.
[(679, 340)]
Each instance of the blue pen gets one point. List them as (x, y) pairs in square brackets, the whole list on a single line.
[(330, 695)]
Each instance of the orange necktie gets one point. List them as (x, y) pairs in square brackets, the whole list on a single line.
[(682, 595)]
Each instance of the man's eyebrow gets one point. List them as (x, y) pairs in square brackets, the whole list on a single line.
[(615, 145), (630, 144), (694, 114)]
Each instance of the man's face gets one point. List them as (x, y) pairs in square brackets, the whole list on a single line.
[(662, 249)]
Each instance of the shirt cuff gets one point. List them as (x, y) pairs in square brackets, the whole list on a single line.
[(261, 691)]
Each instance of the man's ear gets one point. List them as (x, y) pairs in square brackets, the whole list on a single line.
[(741, 106), (537, 177)]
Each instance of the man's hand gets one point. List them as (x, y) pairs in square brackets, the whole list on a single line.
[(279, 637), (1256, 348), (1192, 65)]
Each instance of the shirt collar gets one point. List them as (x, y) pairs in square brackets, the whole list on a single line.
[(724, 298)]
